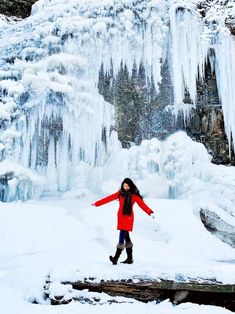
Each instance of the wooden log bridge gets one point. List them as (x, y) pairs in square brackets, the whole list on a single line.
[(208, 292)]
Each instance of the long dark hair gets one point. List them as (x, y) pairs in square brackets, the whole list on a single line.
[(127, 207)]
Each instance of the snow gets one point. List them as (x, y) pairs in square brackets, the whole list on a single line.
[(66, 232), (68, 239)]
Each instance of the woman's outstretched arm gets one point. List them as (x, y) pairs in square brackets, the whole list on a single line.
[(142, 205), (107, 199)]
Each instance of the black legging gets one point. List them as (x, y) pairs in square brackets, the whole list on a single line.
[(124, 235)]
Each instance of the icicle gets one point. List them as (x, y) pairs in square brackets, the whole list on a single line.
[(225, 69), (188, 52)]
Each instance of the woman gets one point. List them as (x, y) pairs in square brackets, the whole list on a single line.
[(127, 195)]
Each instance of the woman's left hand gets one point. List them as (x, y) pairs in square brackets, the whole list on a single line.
[(152, 216)]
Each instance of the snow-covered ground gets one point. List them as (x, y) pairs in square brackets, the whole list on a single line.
[(70, 240)]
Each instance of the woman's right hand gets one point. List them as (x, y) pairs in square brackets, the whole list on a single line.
[(93, 204)]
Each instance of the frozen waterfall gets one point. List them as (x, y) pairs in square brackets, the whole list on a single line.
[(49, 78), (53, 120)]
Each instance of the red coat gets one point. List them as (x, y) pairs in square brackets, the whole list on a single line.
[(124, 222)]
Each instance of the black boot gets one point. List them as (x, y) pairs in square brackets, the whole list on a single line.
[(114, 259), (129, 250)]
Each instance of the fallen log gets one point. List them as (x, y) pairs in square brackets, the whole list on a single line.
[(210, 293)]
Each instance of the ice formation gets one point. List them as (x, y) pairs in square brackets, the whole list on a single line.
[(53, 120)]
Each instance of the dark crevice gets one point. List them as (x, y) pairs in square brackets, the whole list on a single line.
[(18, 8)]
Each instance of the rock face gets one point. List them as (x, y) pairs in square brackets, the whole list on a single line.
[(217, 226), (206, 123), (18, 8), (230, 22)]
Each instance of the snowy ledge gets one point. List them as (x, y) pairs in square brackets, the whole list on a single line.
[(209, 292)]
